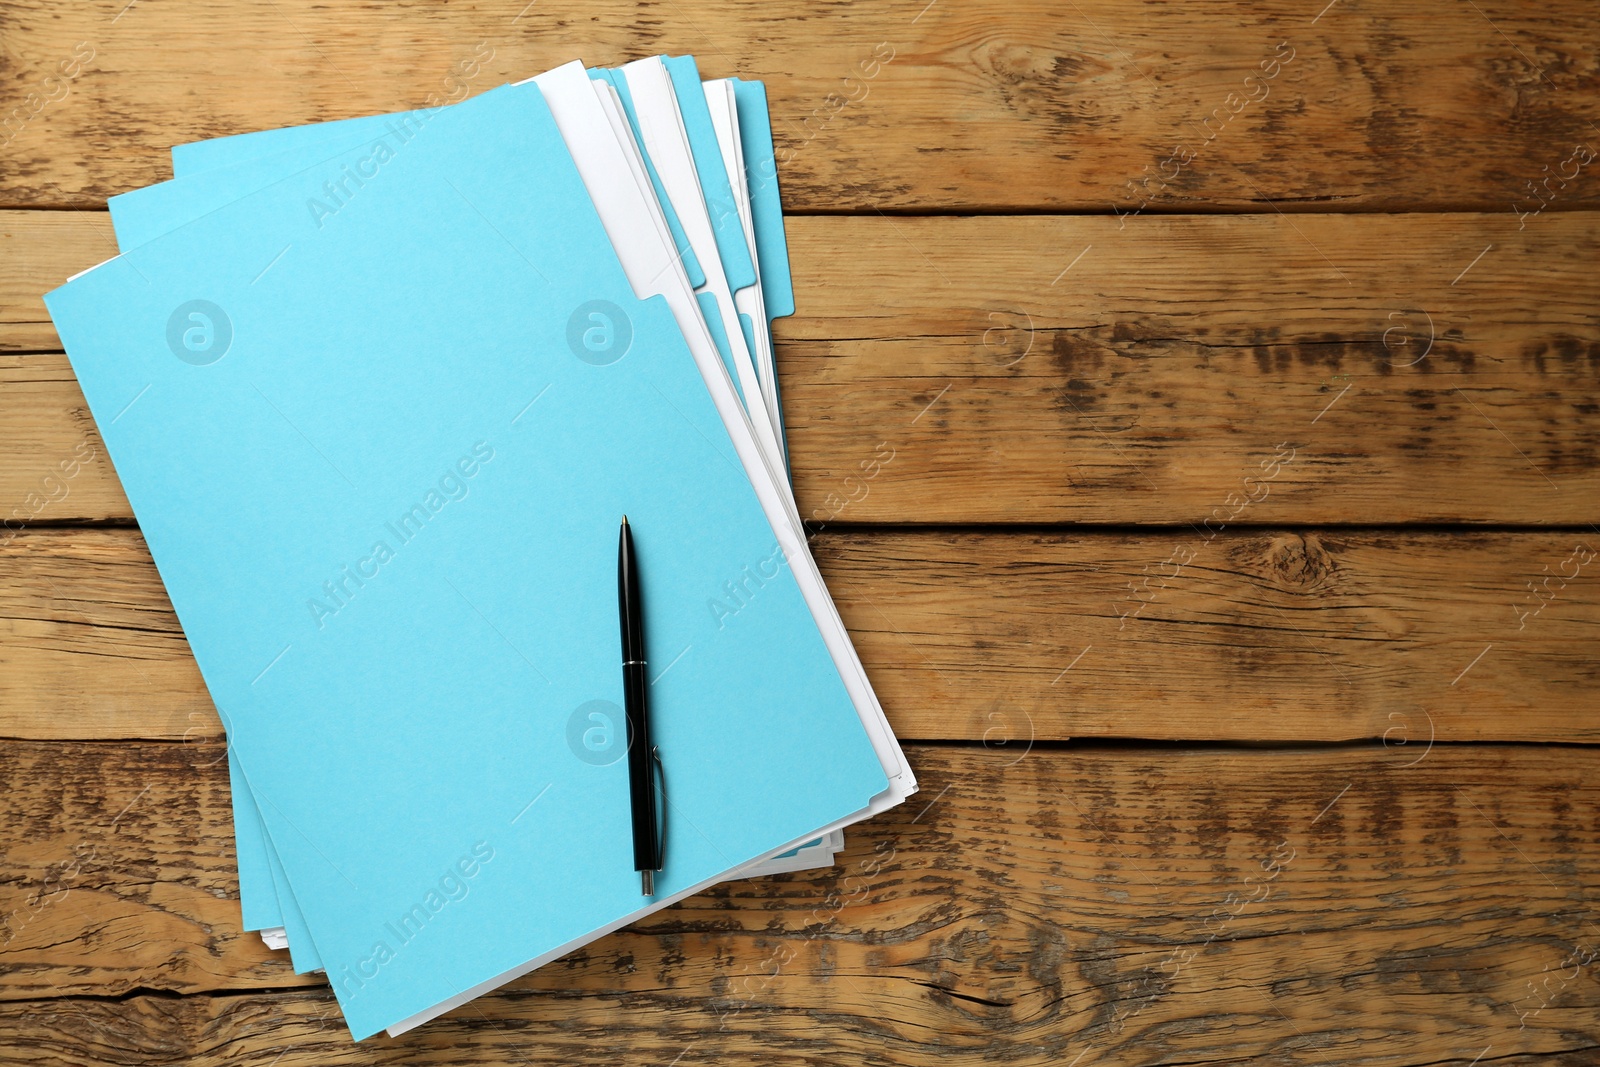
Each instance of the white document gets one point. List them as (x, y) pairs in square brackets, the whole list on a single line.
[(749, 301), (655, 104)]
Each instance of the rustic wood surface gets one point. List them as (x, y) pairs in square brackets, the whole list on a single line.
[(1175, 905), (1234, 575), (909, 106)]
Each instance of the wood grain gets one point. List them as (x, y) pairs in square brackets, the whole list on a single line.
[(38, 252), (1318, 490), (1416, 375), (989, 106), (1139, 906), (1400, 637)]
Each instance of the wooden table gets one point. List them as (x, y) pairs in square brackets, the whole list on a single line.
[(1196, 406)]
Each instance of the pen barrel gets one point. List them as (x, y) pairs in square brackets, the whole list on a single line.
[(641, 770)]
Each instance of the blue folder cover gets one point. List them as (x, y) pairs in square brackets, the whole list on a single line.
[(766, 208), (242, 163), (225, 154), (380, 463)]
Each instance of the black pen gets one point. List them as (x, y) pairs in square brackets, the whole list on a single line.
[(643, 759)]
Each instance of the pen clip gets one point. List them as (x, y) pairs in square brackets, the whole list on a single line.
[(660, 776)]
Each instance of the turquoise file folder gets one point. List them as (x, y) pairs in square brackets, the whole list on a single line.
[(282, 399), (761, 174), (242, 163), (755, 127), (226, 163), (198, 156)]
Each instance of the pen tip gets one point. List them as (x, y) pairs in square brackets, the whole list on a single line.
[(624, 520)]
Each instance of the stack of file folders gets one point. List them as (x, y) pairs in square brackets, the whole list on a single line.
[(379, 391)]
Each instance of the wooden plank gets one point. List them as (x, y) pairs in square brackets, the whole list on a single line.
[(1050, 370), (89, 646), (1330, 905), (119, 873), (1408, 372), (1259, 635), (38, 251), (993, 105), (56, 469), (1265, 635)]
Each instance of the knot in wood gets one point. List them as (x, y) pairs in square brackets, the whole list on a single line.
[(1298, 561)]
